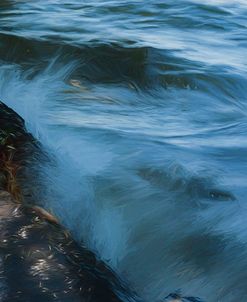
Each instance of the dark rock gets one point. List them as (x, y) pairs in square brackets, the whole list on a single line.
[(41, 262)]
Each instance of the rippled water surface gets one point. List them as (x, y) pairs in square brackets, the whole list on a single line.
[(142, 107)]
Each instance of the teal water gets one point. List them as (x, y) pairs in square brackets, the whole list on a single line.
[(142, 108)]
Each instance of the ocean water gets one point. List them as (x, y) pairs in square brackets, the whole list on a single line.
[(142, 109)]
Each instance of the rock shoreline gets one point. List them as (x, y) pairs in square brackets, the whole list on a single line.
[(39, 260)]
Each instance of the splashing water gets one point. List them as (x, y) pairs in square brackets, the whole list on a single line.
[(147, 138)]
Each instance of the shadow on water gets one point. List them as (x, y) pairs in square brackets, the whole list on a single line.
[(142, 69)]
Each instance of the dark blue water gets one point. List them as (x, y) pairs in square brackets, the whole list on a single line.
[(142, 107)]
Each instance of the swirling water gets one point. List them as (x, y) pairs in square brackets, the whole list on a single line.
[(142, 106)]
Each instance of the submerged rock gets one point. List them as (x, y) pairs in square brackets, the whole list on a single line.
[(175, 297)]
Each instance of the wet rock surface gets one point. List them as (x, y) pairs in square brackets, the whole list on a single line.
[(41, 262)]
